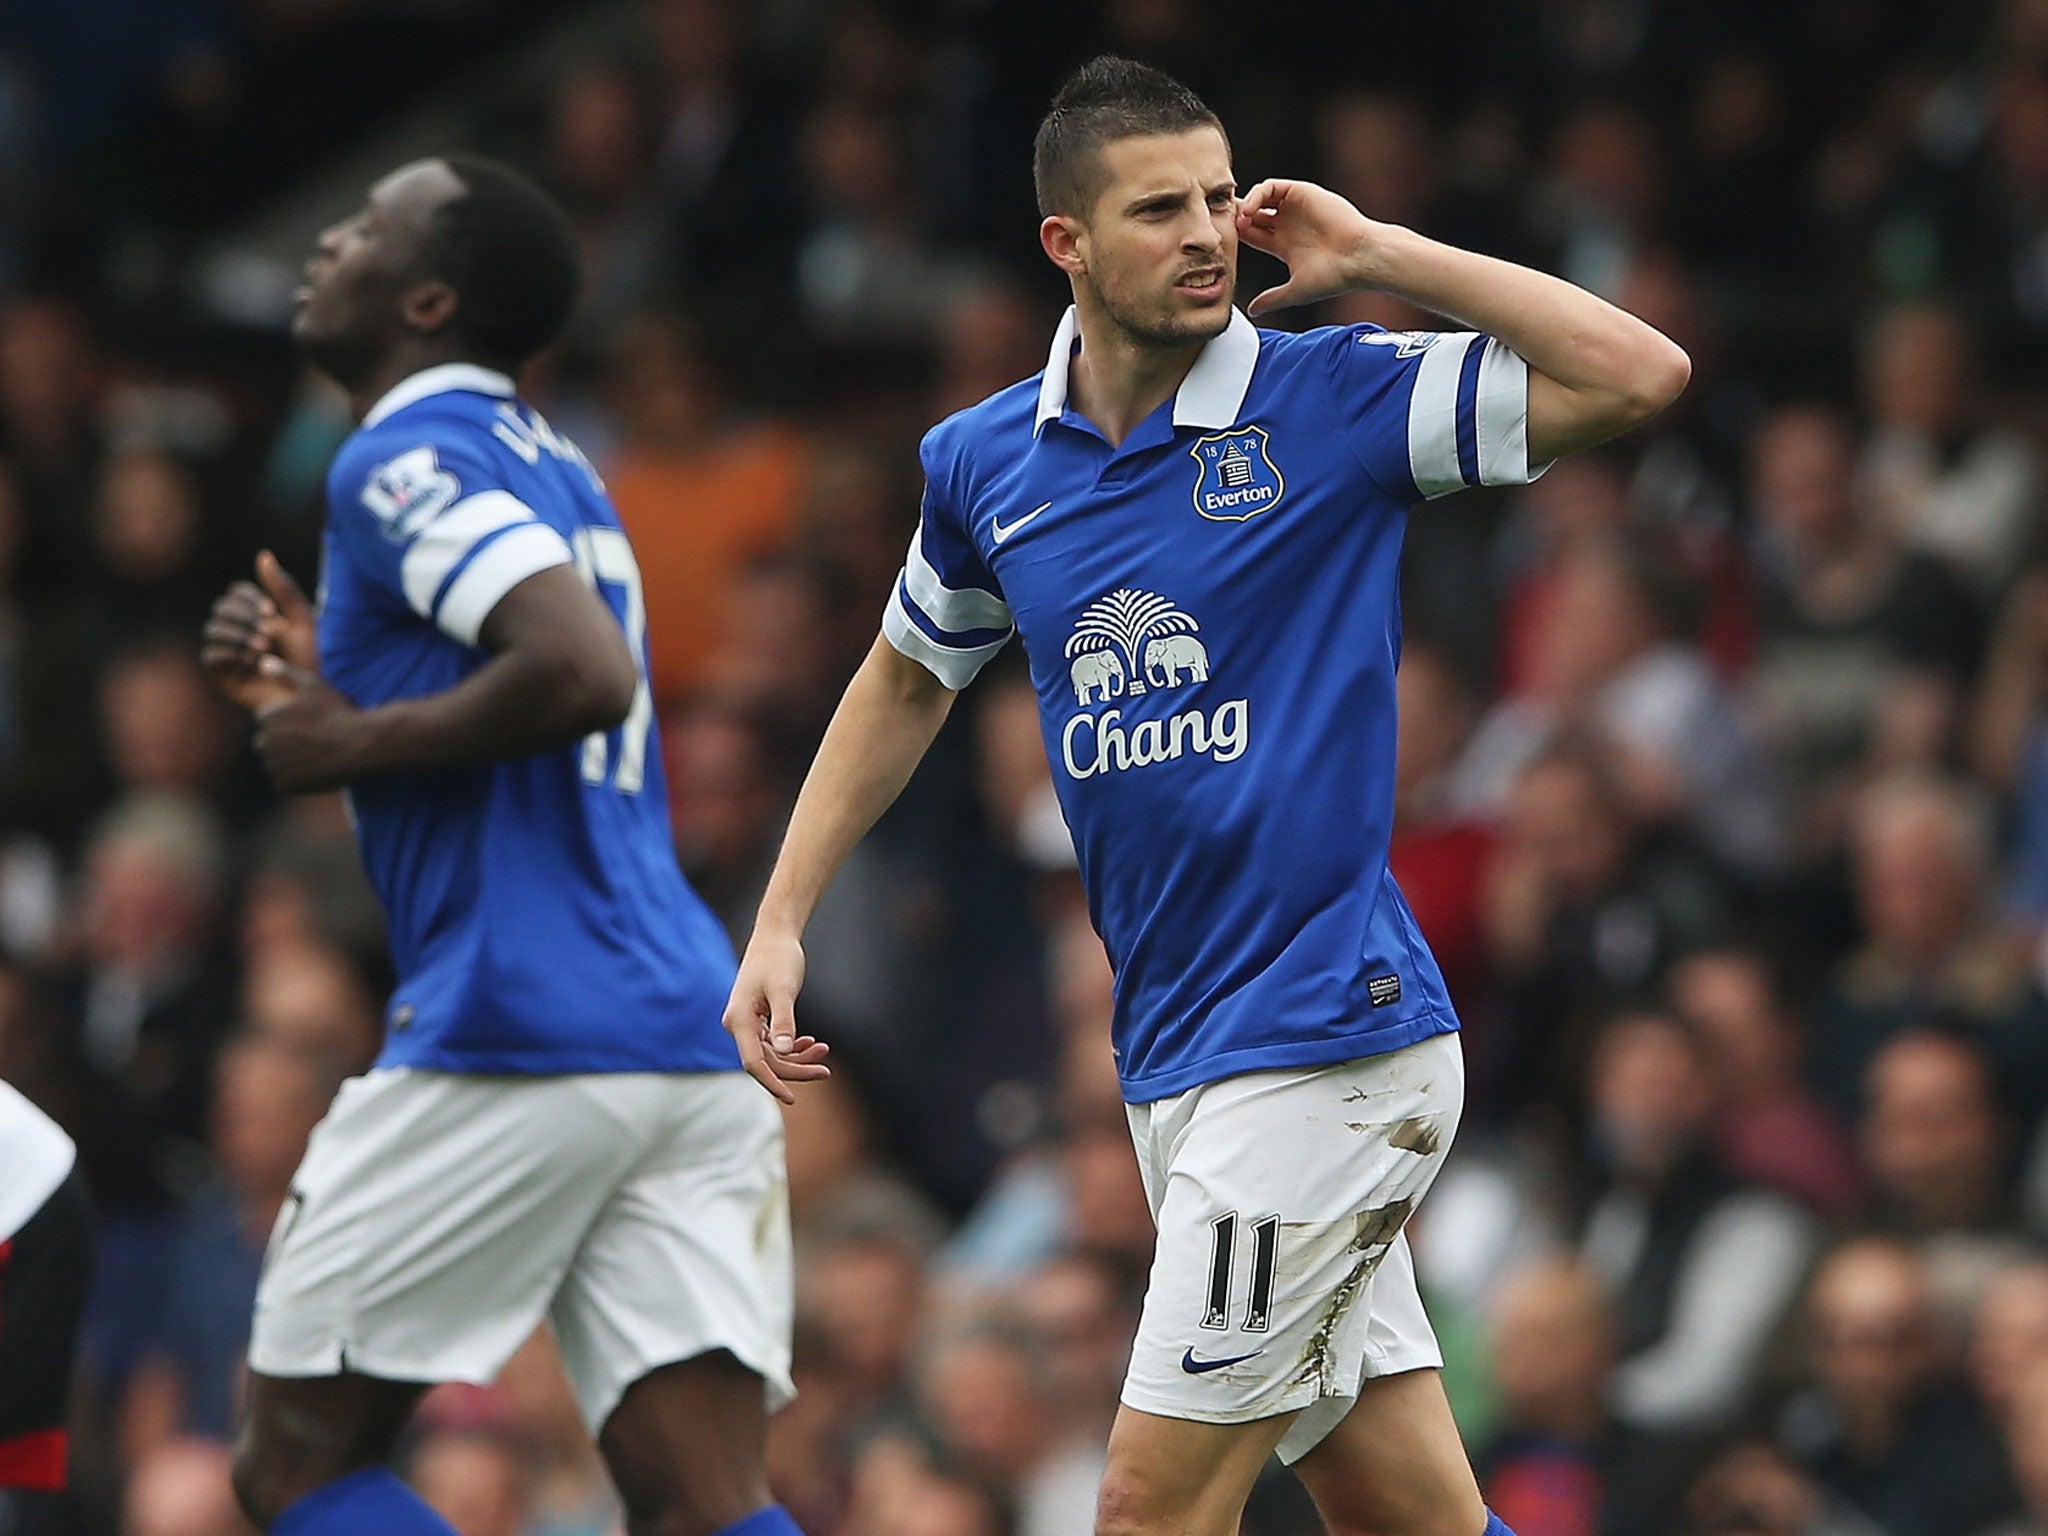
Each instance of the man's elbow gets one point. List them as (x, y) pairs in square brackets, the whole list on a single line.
[(594, 692), (1656, 379)]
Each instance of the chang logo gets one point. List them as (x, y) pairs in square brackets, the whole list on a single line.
[(1125, 645)]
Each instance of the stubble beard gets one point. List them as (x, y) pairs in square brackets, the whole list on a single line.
[(1157, 325)]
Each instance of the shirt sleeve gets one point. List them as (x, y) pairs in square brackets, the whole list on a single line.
[(429, 520), (947, 611), (1433, 412)]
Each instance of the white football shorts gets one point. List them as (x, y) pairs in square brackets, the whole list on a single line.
[(1281, 1279), (437, 1218)]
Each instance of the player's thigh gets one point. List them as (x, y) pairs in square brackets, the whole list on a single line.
[(1278, 1198), (689, 1258), (1395, 1465), (1181, 1476), (431, 1222)]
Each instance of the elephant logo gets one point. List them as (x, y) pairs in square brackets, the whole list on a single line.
[(1133, 640), (1167, 655), (1098, 672), (1238, 478)]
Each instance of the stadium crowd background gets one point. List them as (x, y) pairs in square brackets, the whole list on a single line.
[(1723, 771)]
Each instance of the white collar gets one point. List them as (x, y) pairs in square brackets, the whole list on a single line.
[(1210, 396), (439, 380)]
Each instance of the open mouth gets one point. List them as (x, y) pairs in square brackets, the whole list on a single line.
[(1207, 283)]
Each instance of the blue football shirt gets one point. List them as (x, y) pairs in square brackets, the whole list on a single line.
[(537, 918), (1211, 614)]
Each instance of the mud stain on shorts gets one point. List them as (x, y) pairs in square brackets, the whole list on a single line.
[(1423, 1135), (1376, 1231)]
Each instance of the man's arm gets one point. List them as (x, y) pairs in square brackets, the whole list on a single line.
[(1595, 370), (559, 669), (891, 711)]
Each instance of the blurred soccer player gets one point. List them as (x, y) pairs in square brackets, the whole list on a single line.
[(556, 1127), (1195, 526), (45, 1269)]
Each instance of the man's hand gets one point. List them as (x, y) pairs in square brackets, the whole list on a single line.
[(761, 1016), (1326, 243), (251, 621), (309, 737)]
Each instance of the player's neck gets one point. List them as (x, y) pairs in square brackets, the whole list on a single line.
[(1119, 379), (364, 394)]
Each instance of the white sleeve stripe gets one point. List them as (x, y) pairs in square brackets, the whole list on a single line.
[(498, 567), (1433, 415), (442, 544), (1502, 409), (953, 667), (953, 609)]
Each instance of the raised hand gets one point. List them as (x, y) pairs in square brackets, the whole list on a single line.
[(761, 1017), (250, 622), (1325, 241)]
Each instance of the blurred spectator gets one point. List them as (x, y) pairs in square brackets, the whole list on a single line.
[(864, 1295), (989, 1400), (147, 526), (1884, 1425), (724, 804), (1769, 1128), (990, 336), (49, 397), (309, 997), (2026, 1449), (1921, 855), (1937, 1146), (700, 492), (146, 998), (600, 147), (1584, 907), (901, 1489), (1547, 1470), (840, 1185), (267, 1099), (1703, 1267), (1847, 616), (864, 271), (181, 1488), (1948, 482), (1755, 1489), (165, 728), (2009, 1342), (1615, 656), (476, 1480), (1438, 853)]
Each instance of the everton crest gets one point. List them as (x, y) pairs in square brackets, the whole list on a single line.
[(1238, 478)]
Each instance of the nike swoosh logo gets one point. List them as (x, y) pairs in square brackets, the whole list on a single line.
[(1002, 534), (1195, 1367)]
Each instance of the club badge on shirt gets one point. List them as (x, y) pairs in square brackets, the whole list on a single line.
[(1238, 478)]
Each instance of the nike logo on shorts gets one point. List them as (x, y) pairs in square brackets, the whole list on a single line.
[(1001, 534), (1195, 1367)]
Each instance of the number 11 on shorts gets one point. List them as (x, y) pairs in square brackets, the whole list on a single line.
[(1258, 1312)]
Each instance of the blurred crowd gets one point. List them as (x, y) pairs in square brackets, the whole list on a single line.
[(1723, 763)]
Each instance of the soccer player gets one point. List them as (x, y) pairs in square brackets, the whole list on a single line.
[(557, 1127), (1195, 527), (45, 1268)]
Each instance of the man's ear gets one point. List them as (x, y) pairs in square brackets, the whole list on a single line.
[(428, 307), (1065, 242)]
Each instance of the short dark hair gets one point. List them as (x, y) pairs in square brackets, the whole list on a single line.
[(1106, 99), (509, 251)]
